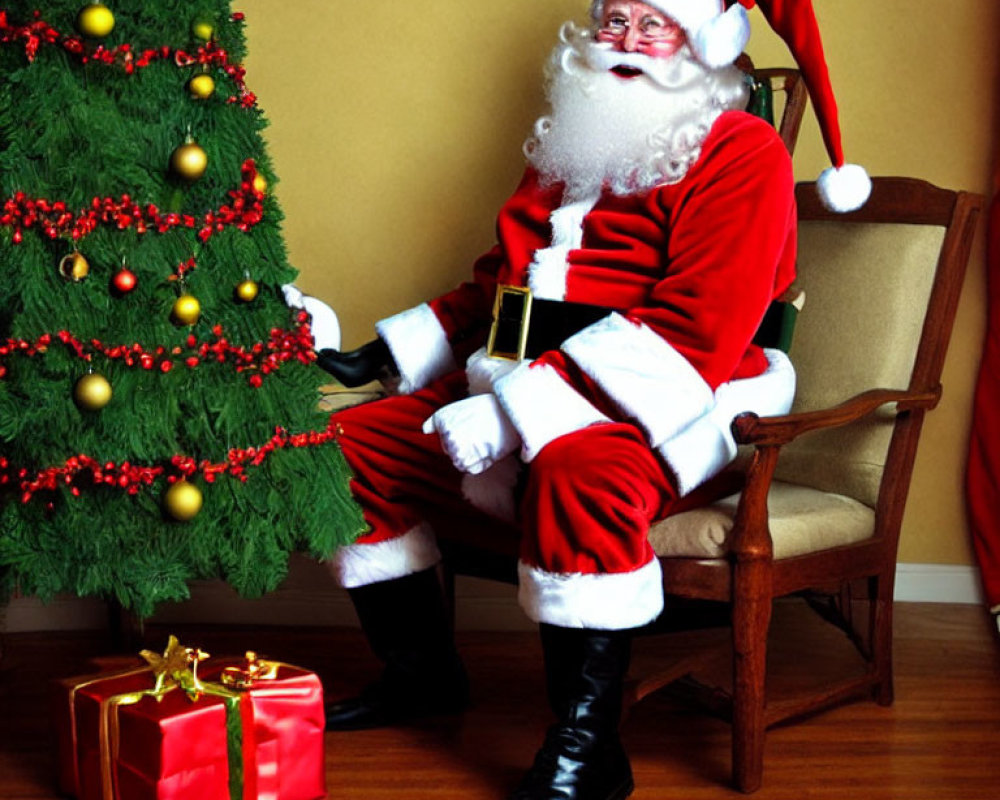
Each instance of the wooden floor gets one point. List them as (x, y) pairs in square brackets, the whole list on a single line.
[(940, 741)]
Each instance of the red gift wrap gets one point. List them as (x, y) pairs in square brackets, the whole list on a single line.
[(239, 731)]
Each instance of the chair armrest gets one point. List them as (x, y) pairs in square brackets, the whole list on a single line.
[(752, 429)]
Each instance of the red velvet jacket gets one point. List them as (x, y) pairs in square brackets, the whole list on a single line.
[(698, 261)]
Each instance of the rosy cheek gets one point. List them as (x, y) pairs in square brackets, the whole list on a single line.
[(661, 49)]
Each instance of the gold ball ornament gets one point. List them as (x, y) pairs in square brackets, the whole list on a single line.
[(92, 392), (201, 86), (247, 290), (186, 310), (189, 161), (259, 183), (183, 501), (74, 267), (203, 29), (95, 21)]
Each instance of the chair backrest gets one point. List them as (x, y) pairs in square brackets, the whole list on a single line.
[(787, 86), (882, 287)]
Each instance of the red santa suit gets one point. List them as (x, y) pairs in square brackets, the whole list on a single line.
[(627, 415)]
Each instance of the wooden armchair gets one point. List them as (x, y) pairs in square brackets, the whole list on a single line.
[(820, 492), (825, 486)]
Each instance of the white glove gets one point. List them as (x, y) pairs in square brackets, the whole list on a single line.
[(324, 323), (482, 372), (475, 432)]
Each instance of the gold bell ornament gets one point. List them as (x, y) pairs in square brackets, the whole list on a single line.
[(189, 160), (247, 290), (186, 310), (201, 86), (95, 21), (183, 501), (92, 392), (203, 29), (74, 267), (259, 183)]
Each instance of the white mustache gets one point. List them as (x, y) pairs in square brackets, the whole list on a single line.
[(664, 71)]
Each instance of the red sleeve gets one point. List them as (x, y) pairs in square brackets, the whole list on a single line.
[(731, 246)]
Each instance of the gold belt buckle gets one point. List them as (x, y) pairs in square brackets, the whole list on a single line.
[(511, 318)]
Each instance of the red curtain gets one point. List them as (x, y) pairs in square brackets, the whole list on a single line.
[(983, 477)]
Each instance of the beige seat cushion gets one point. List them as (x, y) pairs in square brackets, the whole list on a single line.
[(802, 520)]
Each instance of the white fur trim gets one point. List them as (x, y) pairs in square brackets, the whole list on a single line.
[(707, 445), (548, 269), (604, 601), (492, 491), (845, 189), (689, 14), (643, 374), (361, 564), (547, 273), (481, 371), (419, 346), (543, 406)]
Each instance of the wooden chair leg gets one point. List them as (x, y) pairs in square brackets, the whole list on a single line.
[(752, 618), (882, 637)]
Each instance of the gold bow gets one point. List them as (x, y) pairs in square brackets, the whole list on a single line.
[(256, 669), (178, 666)]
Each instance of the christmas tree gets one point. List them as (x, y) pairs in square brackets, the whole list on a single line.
[(158, 414)]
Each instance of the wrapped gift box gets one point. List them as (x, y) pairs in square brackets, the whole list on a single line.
[(134, 735)]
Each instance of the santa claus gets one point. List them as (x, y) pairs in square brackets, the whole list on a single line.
[(586, 377)]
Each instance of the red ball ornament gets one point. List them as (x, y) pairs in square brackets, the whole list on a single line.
[(124, 281)]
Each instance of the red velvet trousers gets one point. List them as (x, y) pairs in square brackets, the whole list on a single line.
[(584, 506)]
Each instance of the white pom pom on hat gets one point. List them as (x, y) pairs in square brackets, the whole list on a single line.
[(718, 31)]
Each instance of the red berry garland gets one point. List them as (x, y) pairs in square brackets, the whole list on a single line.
[(262, 358), (39, 32), (244, 210), (131, 478)]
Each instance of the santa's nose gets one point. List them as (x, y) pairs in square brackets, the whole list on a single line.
[(631, 39)]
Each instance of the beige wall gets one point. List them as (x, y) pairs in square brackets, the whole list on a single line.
[(396, 135)]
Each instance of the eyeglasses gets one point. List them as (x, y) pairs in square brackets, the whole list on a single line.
[(652, 28)]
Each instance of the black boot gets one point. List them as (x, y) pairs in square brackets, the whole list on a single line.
[(582, 757), (409, 629)]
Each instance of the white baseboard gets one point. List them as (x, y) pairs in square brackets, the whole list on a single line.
[(938, 583), (308, 598)]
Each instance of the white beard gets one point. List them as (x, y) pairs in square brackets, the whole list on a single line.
[(625, 135)]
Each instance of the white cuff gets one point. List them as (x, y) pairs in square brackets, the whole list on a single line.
[(646, 378), (543, 406), (356, 565), (602, 601), (419, 346), (706, 446)]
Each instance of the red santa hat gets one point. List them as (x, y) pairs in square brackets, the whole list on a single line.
[(718, 31)]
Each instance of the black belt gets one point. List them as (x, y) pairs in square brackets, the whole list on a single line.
[(525, 326)]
